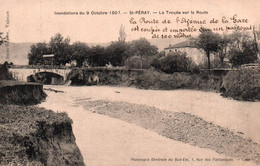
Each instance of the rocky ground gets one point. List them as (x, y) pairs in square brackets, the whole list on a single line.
[(179, 126)]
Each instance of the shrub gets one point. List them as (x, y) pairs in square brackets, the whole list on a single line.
[(134, 62), (174, 62), (244, 56), (242, 84), (151, 79), (4, 72)]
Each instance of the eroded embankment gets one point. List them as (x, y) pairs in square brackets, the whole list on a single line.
[(20, 93), (35, 136), (180, 126)]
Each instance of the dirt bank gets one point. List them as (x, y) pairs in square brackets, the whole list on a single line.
[(20, 93), (35, 136), (103, 76), (180, 126)]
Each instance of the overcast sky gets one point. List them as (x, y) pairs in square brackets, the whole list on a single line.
[(35, 21)]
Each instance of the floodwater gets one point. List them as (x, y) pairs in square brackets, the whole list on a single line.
[(107, 141)]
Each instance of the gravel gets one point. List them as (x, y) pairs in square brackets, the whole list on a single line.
[(179, 126)]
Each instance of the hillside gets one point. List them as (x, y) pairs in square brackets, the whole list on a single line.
[(18, 53)]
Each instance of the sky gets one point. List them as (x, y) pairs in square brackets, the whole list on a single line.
[(35, 21)]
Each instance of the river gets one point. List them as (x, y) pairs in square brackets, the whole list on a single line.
[(106, 141)]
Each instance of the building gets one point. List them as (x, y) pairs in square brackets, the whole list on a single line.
[(197, 55)]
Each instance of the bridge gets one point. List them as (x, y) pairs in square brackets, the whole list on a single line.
[(43, 75), (61, 75)]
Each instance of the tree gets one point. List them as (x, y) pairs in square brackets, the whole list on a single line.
[(60, 47), (256, 33), (243, 49), (97, 56), (117, 53), (174, 62), (225, 40), (36, 53), (142, 47), (80, 52), (161, 53), (209, 42), (122, 34), (246, 54), (238, 38)]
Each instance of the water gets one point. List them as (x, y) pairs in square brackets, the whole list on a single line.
[(106, 141)]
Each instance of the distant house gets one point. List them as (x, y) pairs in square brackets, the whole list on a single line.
[(194, 53)]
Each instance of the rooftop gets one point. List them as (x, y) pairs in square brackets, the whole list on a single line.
[(186, 43)]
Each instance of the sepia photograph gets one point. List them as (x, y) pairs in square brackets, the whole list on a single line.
[(130, 83)]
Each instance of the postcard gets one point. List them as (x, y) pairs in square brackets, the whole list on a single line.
[(130, 83)]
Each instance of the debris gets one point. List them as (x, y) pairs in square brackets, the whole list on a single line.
[(53, 90)]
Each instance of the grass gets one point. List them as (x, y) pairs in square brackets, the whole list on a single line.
[(243, 85), (158, 80)]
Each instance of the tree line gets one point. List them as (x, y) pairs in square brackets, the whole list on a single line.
[(115, 54), (239, 47)]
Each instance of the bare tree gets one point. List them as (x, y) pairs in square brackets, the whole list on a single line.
[(225, 40), (256, 43), (122, 34)]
